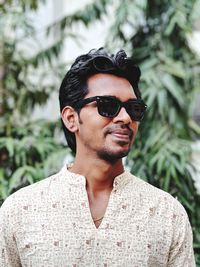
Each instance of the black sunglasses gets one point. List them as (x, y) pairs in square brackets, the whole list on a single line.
[(110, 106)]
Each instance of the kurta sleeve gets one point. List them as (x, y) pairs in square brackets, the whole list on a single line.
[(181, 252), (9, 256)]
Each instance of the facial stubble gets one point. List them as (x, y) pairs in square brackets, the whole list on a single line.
[(107, 154)]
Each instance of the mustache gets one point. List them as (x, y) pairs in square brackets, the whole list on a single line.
[(121, 128)]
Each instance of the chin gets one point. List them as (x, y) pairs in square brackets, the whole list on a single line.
[(113, 156)]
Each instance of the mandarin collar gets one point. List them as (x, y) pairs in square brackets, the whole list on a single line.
[(77, 179)]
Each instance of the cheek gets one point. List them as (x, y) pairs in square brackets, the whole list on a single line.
[(92, 127), (94, 122)]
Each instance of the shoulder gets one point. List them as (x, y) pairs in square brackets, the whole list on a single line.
[(35, 193), (156, 198)]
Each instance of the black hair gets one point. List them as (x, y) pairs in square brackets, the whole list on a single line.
[(74, 85)]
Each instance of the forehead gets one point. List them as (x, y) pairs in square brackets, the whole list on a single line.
[(109, 84)]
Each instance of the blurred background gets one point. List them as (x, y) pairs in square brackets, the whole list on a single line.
[(38, 42)]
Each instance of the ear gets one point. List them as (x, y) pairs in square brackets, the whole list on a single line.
[(70, 118)]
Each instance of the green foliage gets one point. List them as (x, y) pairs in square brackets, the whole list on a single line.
[(29, 156), (30, 150), (86, 16), (24, 4)]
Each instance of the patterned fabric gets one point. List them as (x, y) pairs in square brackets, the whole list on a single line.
[(49, 224)]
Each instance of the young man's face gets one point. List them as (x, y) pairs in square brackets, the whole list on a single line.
[(106, 138)]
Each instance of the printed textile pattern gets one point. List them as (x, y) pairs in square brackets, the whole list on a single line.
[(49, 224)]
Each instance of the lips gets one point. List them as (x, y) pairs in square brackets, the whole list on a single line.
[(122, 135)]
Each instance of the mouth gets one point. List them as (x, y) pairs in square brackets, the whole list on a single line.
[(123, 136)]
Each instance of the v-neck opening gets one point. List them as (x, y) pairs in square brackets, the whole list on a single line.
[(105, 214), (79, 181)]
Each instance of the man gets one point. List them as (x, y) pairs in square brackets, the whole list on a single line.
[(95, 213)]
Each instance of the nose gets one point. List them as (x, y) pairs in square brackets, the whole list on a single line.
[(122, 116)]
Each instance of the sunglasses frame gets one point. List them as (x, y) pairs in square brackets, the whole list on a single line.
[(99, 99)]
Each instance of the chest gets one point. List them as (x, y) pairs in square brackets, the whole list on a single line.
[(63, 234)]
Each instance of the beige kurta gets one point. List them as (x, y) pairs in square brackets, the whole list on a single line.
[(49, 224)]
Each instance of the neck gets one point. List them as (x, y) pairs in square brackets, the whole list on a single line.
[(99, 174)]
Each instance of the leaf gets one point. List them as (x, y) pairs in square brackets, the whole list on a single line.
[(149, 64), (173, 88), (8, 143), (161, 98), (194, 126), (195, 12), (16, 178), (22, 174), (167, 180), (3, 185), (173, 67), (171, 25), (158, 136)]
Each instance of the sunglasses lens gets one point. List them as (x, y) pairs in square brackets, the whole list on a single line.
[(108, 107), (135, 110)]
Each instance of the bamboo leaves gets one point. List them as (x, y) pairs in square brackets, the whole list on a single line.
[(32, 155)]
